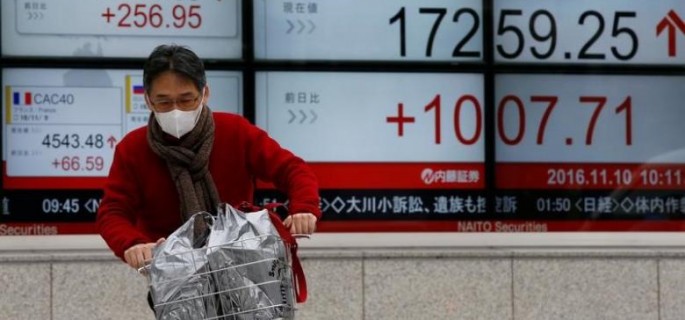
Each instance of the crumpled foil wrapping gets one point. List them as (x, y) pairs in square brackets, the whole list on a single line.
[(232, 266)]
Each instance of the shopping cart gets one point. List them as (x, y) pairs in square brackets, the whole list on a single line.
[(244, 266)]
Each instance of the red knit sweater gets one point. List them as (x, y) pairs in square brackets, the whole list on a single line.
[(140, 202)]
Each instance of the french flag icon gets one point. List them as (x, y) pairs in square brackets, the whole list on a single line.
[(17, 97)]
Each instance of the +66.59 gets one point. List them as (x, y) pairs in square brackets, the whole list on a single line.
[(77, 163), (75, 141)]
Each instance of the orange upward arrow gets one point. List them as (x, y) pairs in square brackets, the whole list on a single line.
[(671, 22)]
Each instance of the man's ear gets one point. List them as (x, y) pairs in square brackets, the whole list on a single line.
[(206, 94)]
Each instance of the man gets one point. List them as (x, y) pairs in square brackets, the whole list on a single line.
[(188, 159)]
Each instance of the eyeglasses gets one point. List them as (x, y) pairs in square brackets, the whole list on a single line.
[(164, 105)]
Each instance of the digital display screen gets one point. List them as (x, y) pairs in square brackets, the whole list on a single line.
[(119, 28), (59, 130), (589, 31), (434, 115), (394, 146), (577, 148), (388, 30)]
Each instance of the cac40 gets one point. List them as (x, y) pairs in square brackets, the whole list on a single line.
[(53, 98)]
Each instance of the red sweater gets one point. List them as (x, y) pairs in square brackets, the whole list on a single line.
[(140, 202)]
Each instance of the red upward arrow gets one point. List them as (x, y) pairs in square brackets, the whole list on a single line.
[(112, 141), (671, 24)]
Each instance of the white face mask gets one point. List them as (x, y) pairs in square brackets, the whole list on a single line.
[(177, 122)]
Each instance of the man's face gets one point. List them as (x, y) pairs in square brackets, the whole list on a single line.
[(171, 91)]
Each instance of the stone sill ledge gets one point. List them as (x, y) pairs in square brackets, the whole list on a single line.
[(384, 253)]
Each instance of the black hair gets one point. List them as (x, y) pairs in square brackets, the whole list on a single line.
[(178, 59)]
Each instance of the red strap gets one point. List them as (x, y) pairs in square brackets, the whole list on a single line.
[(299, 281)]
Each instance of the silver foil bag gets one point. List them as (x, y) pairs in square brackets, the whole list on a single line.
[(232, 266)]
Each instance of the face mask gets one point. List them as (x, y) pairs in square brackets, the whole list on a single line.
[(177, 122)]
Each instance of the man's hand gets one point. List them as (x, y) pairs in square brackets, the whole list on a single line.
[(301, 223), (138, 255)]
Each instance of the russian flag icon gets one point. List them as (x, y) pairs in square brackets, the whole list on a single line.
[(138, 89), (17, 98)]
